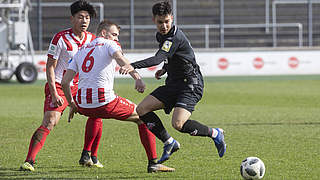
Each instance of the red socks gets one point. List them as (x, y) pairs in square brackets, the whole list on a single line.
[(93, 135), (36, 143), (96, 142), (148, 140)]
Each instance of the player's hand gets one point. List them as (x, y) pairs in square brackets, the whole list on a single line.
[(57, 100), (126, 69), (140, 85), (159, 73), (73, 110)]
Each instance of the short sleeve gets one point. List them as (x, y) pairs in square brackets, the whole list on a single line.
[(55, 47), (113, 47)]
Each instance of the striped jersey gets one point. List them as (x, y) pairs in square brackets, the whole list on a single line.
[(63, 47), (96, 69)]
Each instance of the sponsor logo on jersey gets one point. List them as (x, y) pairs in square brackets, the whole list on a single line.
[(166, 46), (52, 49), (70, 60)]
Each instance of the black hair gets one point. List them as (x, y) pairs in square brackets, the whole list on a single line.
[(82, 5), (106, 24), (162, 9)]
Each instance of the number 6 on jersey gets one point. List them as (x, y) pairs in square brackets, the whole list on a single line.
[(88, 62)]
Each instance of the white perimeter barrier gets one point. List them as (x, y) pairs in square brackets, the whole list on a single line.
[(233, 63)]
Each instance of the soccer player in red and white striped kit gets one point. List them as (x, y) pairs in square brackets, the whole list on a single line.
[(95, 63), (62, 48)]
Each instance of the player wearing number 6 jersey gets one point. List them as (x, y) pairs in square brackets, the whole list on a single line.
[(95, 63), (62, 47)]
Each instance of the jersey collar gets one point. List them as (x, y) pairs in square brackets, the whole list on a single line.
[(171, 33), (79, 44)]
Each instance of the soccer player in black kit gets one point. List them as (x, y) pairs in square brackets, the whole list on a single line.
[(183, 87)]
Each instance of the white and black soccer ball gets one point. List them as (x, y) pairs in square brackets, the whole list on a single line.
[(252, 168)]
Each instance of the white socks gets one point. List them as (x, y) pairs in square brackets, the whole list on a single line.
[(214, 133), (169, 141)]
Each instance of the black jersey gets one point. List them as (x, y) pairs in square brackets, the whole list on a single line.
[(178, 56)]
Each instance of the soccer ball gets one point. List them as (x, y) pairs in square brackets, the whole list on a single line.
[(252, 168)]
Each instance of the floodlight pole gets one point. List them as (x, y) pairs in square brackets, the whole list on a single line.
[(174, 4), (39, 25), (310, 26), (132, 24), (222, 23)]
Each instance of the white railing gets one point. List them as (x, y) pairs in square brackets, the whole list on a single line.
[(207, 28), (274, 16), (267, 25), (59, 4)]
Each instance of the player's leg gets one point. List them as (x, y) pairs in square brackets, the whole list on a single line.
[(50, 119), (92, 138), (182, 123), (145, 110), (148, 141), (186, 101), (95, 146), (125, 111), (146, 137)]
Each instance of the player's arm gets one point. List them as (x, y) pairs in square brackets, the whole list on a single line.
[(151, 61), (122, 61), (65, 83), (50, 66)]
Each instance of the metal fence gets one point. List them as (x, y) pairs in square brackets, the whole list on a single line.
[(206, 27)]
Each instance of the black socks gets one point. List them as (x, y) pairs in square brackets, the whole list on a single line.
[(194, 128), (155, 125)]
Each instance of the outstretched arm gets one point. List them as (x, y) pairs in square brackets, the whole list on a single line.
[(151, 61), (123, 62)]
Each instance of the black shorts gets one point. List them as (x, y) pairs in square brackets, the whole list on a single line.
[(178, 95)]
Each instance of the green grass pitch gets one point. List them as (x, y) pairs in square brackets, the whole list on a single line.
[(276, 118)]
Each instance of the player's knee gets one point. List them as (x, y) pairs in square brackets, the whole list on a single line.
[(177, 125), (49, 122), (141, 110)]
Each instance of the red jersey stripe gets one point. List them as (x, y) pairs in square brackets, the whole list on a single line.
[(69, 46), (101, 97), (58, 35), (77, 42), (92, 36), (118, 43), (89, 96), (84, 40), (50, 56), (79, 96)]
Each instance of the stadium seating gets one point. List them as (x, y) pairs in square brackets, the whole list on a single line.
[(193, 12)]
